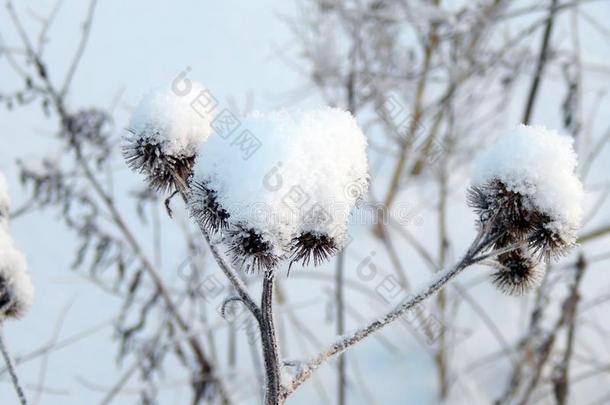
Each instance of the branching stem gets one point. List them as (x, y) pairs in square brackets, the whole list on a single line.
[(480, 244)]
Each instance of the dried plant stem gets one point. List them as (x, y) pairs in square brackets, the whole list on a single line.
[(269, 341), (346, 342), (11, 369), (263, 314)]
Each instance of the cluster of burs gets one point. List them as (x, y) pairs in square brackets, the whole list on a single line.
[(527, 196), (524, 188), (287, 201)]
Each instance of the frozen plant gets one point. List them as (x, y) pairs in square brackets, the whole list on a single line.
[(529, 203), (525, 191), (165, 132), (303, 215), (318, 158), (16, 291), (290, 200)]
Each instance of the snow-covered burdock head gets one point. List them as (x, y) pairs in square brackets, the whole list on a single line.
[(525, 190), (16, 291), (290, 197), (165, 133)]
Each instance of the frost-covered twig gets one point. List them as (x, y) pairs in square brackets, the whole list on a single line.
[(269, 342), (11, 369), (480, 243)]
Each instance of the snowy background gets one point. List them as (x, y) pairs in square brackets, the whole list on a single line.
[(234, 48)]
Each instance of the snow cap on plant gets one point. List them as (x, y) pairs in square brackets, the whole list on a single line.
[(16, 291), (291, 196), (525, 190), (165, 133)]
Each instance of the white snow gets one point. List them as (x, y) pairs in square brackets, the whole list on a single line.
[(13, 275), (539, 163), (178, 123), (308, 162)]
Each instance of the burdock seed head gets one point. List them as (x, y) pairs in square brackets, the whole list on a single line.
[(250, 250), (165, 133), (508, 212), (310, 245), (549, 239), (164, 172), (517, 272), (287, 184), (206, 209), (525, 192)]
